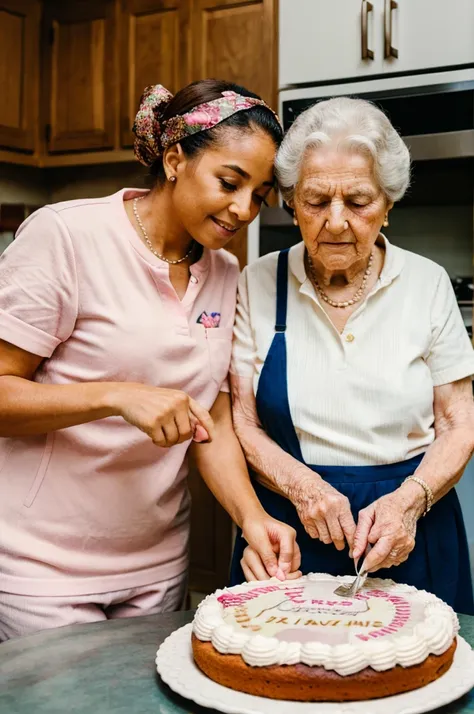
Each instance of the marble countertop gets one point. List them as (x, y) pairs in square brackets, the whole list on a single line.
[(109, 668)]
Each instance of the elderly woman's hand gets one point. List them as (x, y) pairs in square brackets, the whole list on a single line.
[(389, 524), (254, 569), (324, 512)]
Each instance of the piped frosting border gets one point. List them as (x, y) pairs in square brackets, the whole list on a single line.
[(434, 635)]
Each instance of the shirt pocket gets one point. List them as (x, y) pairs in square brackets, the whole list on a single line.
[(41, 472), (219, 345)]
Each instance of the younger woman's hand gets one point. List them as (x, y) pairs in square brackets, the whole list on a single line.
[(254, 569), (324, 512), (274, 543), (168, 416)]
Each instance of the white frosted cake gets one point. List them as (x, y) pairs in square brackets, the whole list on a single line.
[(298, 640)]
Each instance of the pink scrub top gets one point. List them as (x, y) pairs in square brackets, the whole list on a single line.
[(98, 507)]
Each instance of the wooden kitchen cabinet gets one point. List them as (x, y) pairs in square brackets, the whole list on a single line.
[(155, 48), (97, 56), (80, 76), (237, 41), (19, 78)]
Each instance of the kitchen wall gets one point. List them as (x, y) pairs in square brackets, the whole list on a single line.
[(465, 490), (31, 187), (443, 233), (94, 181), (20, 185)]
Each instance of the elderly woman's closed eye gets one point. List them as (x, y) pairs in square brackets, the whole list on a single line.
[(351, 373)]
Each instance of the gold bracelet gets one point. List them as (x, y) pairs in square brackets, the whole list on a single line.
[(426, 489)]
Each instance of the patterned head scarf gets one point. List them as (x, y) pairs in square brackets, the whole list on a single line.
[(154, 135)]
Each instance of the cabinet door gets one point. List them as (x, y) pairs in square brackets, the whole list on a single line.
[(427, 33), (236, 41), (81, 74), (19, 60), (155, 50), (322, 40)]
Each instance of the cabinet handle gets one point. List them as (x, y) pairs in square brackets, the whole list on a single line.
[(390, 6), (364, 28)]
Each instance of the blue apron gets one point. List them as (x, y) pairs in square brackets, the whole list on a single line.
[(439, 562)]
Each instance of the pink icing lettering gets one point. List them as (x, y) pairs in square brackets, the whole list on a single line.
[(233, 599)]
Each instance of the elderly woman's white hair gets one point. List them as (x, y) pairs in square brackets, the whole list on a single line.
[(354, 124)]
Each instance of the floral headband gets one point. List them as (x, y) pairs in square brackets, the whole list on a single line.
[(153, 135)]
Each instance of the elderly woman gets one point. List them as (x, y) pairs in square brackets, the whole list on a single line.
[(352, 369)]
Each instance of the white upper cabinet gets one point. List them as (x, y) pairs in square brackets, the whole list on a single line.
[(342, 39), (431, 33), (322, 40)]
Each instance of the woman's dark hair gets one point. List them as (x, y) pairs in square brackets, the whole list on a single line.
[(206, 90)]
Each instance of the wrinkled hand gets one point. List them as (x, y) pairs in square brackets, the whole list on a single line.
[(324, 512), (168, 416), (389, 524), (254, 568), (274, 543)]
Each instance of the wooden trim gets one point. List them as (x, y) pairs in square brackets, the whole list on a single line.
[(88, 158), (271, 20), (12, 157), (116, 156)]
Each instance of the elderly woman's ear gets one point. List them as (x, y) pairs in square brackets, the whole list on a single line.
[(389, 208)]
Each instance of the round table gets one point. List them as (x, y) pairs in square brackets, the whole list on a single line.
[(109, 668)]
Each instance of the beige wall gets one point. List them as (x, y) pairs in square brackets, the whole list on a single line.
[(94, 181), (444, 233), (23, 184), (35, 187)]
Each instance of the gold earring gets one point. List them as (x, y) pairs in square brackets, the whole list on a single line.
[(386, 223)]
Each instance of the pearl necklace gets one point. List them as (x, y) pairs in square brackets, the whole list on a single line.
[(357, 296), (148, 242)]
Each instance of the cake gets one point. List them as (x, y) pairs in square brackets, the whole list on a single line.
[(297, 640)]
